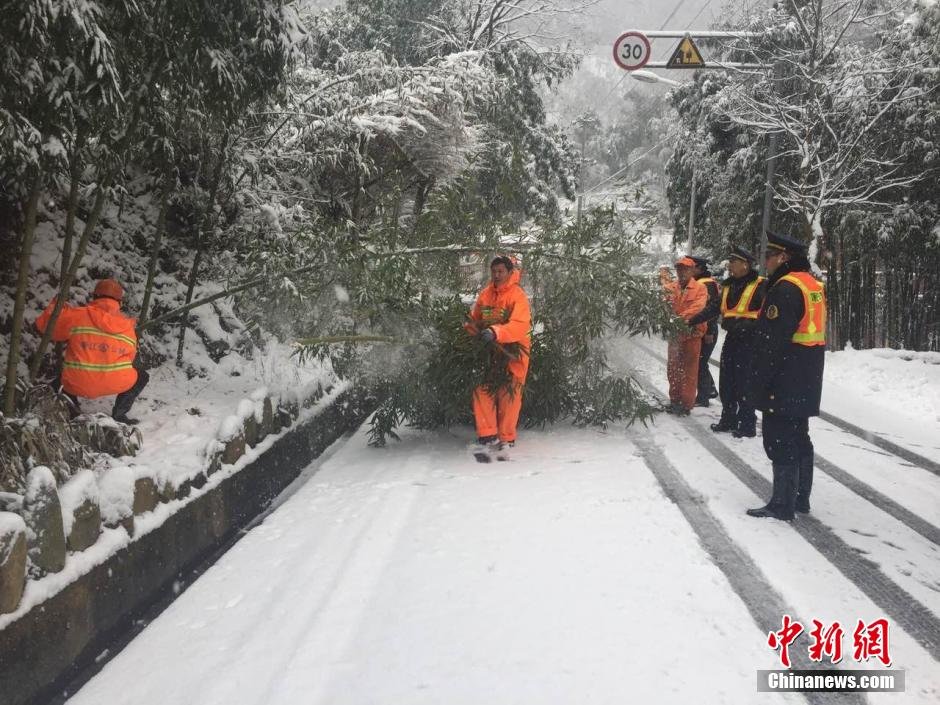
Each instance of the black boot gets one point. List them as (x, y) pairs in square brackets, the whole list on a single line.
[(783, 497), (805, 485), (744, 431), (125, 400), (723, 426)]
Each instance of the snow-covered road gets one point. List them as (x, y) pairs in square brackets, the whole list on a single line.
[(595, 567)]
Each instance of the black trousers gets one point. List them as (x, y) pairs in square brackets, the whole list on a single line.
[(786, 438), (736, 355), (706, 383)]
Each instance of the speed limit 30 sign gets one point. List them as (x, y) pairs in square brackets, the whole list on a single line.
[(632, 50)]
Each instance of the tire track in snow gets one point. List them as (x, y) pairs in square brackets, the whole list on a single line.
[(883, 502), (326, 624), (862, 489), (912, 616), (910, 456), (762, 601), (876, 440)]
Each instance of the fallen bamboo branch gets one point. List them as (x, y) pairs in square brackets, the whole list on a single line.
[(477, 328), (336, 339), (444, 249), (257, 281)]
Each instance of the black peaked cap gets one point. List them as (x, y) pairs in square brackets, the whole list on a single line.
[(786, 243)]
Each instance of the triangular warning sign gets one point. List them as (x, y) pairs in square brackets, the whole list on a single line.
[(686, 56)]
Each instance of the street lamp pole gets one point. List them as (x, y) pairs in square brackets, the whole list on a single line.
[(650, 77), (768, 195), (691, 230), (632, 52), (769, 183)]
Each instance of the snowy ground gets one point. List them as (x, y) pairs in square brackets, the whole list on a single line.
[(181, 411), (895, 393), (179, 417), (179, 420), (595, 567)]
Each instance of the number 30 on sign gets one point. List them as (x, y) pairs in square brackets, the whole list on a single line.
[(632, 50)]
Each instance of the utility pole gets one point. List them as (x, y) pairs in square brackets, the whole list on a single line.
[(768, 197), (768, 185), (581, 174), (633, 51), (691, 230)]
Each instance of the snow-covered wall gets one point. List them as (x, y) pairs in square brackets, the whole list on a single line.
[(44, 649)]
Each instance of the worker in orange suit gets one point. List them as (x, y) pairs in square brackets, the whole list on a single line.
[(501, 315), (688, 297), (101, 346)]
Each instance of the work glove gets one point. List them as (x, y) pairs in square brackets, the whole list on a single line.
[(487, 335)]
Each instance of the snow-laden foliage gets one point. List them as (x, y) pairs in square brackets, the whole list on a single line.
[(57, 68), (295, 174), (850, 96), (723, 161), (400, 332), (401, 126), (93, 93)]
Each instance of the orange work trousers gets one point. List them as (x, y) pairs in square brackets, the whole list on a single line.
[(497, 416), (682, 370)]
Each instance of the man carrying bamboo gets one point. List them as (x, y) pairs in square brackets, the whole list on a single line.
[(500, 316)]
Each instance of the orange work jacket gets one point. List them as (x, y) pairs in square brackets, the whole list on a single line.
[(100, 347), (686, 302), (505, 309)]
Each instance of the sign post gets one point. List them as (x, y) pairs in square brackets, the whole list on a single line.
[(632, 50), (686, 56)]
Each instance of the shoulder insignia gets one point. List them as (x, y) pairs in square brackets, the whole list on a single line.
[(772, 312)]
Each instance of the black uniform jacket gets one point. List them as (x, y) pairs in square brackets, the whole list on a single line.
[(742, 326), (712, 309), (786, 378)]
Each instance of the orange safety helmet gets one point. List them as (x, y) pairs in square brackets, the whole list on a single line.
[(109, 288)]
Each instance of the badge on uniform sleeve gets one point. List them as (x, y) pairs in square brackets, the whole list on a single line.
[(772, 312)]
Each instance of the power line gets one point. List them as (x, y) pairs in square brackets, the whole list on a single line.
[(620, 171), (672, 14), (603, 103), (704, 7)]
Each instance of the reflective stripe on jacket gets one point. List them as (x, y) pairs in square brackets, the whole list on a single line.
[(686, 302), (100, 347), (743, 307), (505, 309), (812, 328)]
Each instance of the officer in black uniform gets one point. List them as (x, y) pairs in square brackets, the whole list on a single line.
[(709, 315), (742, 295), (787, 372)]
